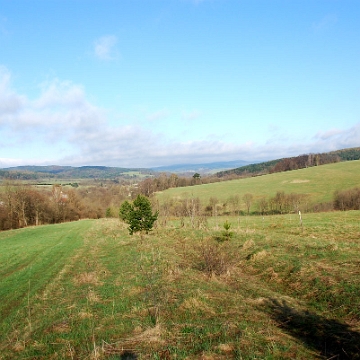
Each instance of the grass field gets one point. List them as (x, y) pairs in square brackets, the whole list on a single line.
[(276, 290), (318, 182)]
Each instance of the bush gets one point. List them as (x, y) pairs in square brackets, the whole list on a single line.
[(212, 258), (347, 199)]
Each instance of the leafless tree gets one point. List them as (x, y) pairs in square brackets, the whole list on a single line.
[(248, 198)]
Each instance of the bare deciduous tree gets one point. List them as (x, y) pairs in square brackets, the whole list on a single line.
[(248, 198)]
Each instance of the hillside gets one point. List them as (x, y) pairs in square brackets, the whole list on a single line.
[(89, 290), (318, 183), (295, 163)]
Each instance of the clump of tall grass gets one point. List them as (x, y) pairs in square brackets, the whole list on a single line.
[(212, 257)]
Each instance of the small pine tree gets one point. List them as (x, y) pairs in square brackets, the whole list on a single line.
[(227, 234), (138, 215)]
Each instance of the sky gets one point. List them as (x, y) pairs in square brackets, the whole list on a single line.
[(146, 83)]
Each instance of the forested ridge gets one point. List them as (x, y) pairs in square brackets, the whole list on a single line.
[(294, 163), (69, 172)]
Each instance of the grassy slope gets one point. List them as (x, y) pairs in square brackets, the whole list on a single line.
[(87, 290), (318, 182)]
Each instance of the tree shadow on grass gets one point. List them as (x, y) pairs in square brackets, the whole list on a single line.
[(330, 338)]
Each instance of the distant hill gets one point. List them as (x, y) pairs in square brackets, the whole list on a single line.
[(206, 168), (69, 172), (30, 172), (293, 163), (219, 169), (347, 154)]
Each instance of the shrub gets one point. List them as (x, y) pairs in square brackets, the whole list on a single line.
[(212, 258), (347, 199)]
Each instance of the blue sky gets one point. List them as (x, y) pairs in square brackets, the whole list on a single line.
[(143, 83)]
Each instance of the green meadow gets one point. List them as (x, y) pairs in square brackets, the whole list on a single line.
[(273, 289), (319, 183)]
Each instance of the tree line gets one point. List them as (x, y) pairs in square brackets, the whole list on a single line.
[(22, 205), (25, 205), (286, 164), (235, 205)]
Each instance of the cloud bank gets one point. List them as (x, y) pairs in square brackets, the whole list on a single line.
[(61, 126)]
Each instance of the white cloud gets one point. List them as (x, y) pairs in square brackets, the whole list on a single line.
[(105, 47), (326, 135), (66, 129), (9, 101), (59, 93), (60, 112), (8, 162)]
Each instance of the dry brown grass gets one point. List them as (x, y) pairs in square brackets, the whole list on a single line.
[(19, 346), (85, 315), (151, 337), (194, 305), (259, 255), (93, 297), (88, 278), (63, 327)]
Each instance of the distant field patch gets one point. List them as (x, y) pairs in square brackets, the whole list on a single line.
[(298, 181)]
